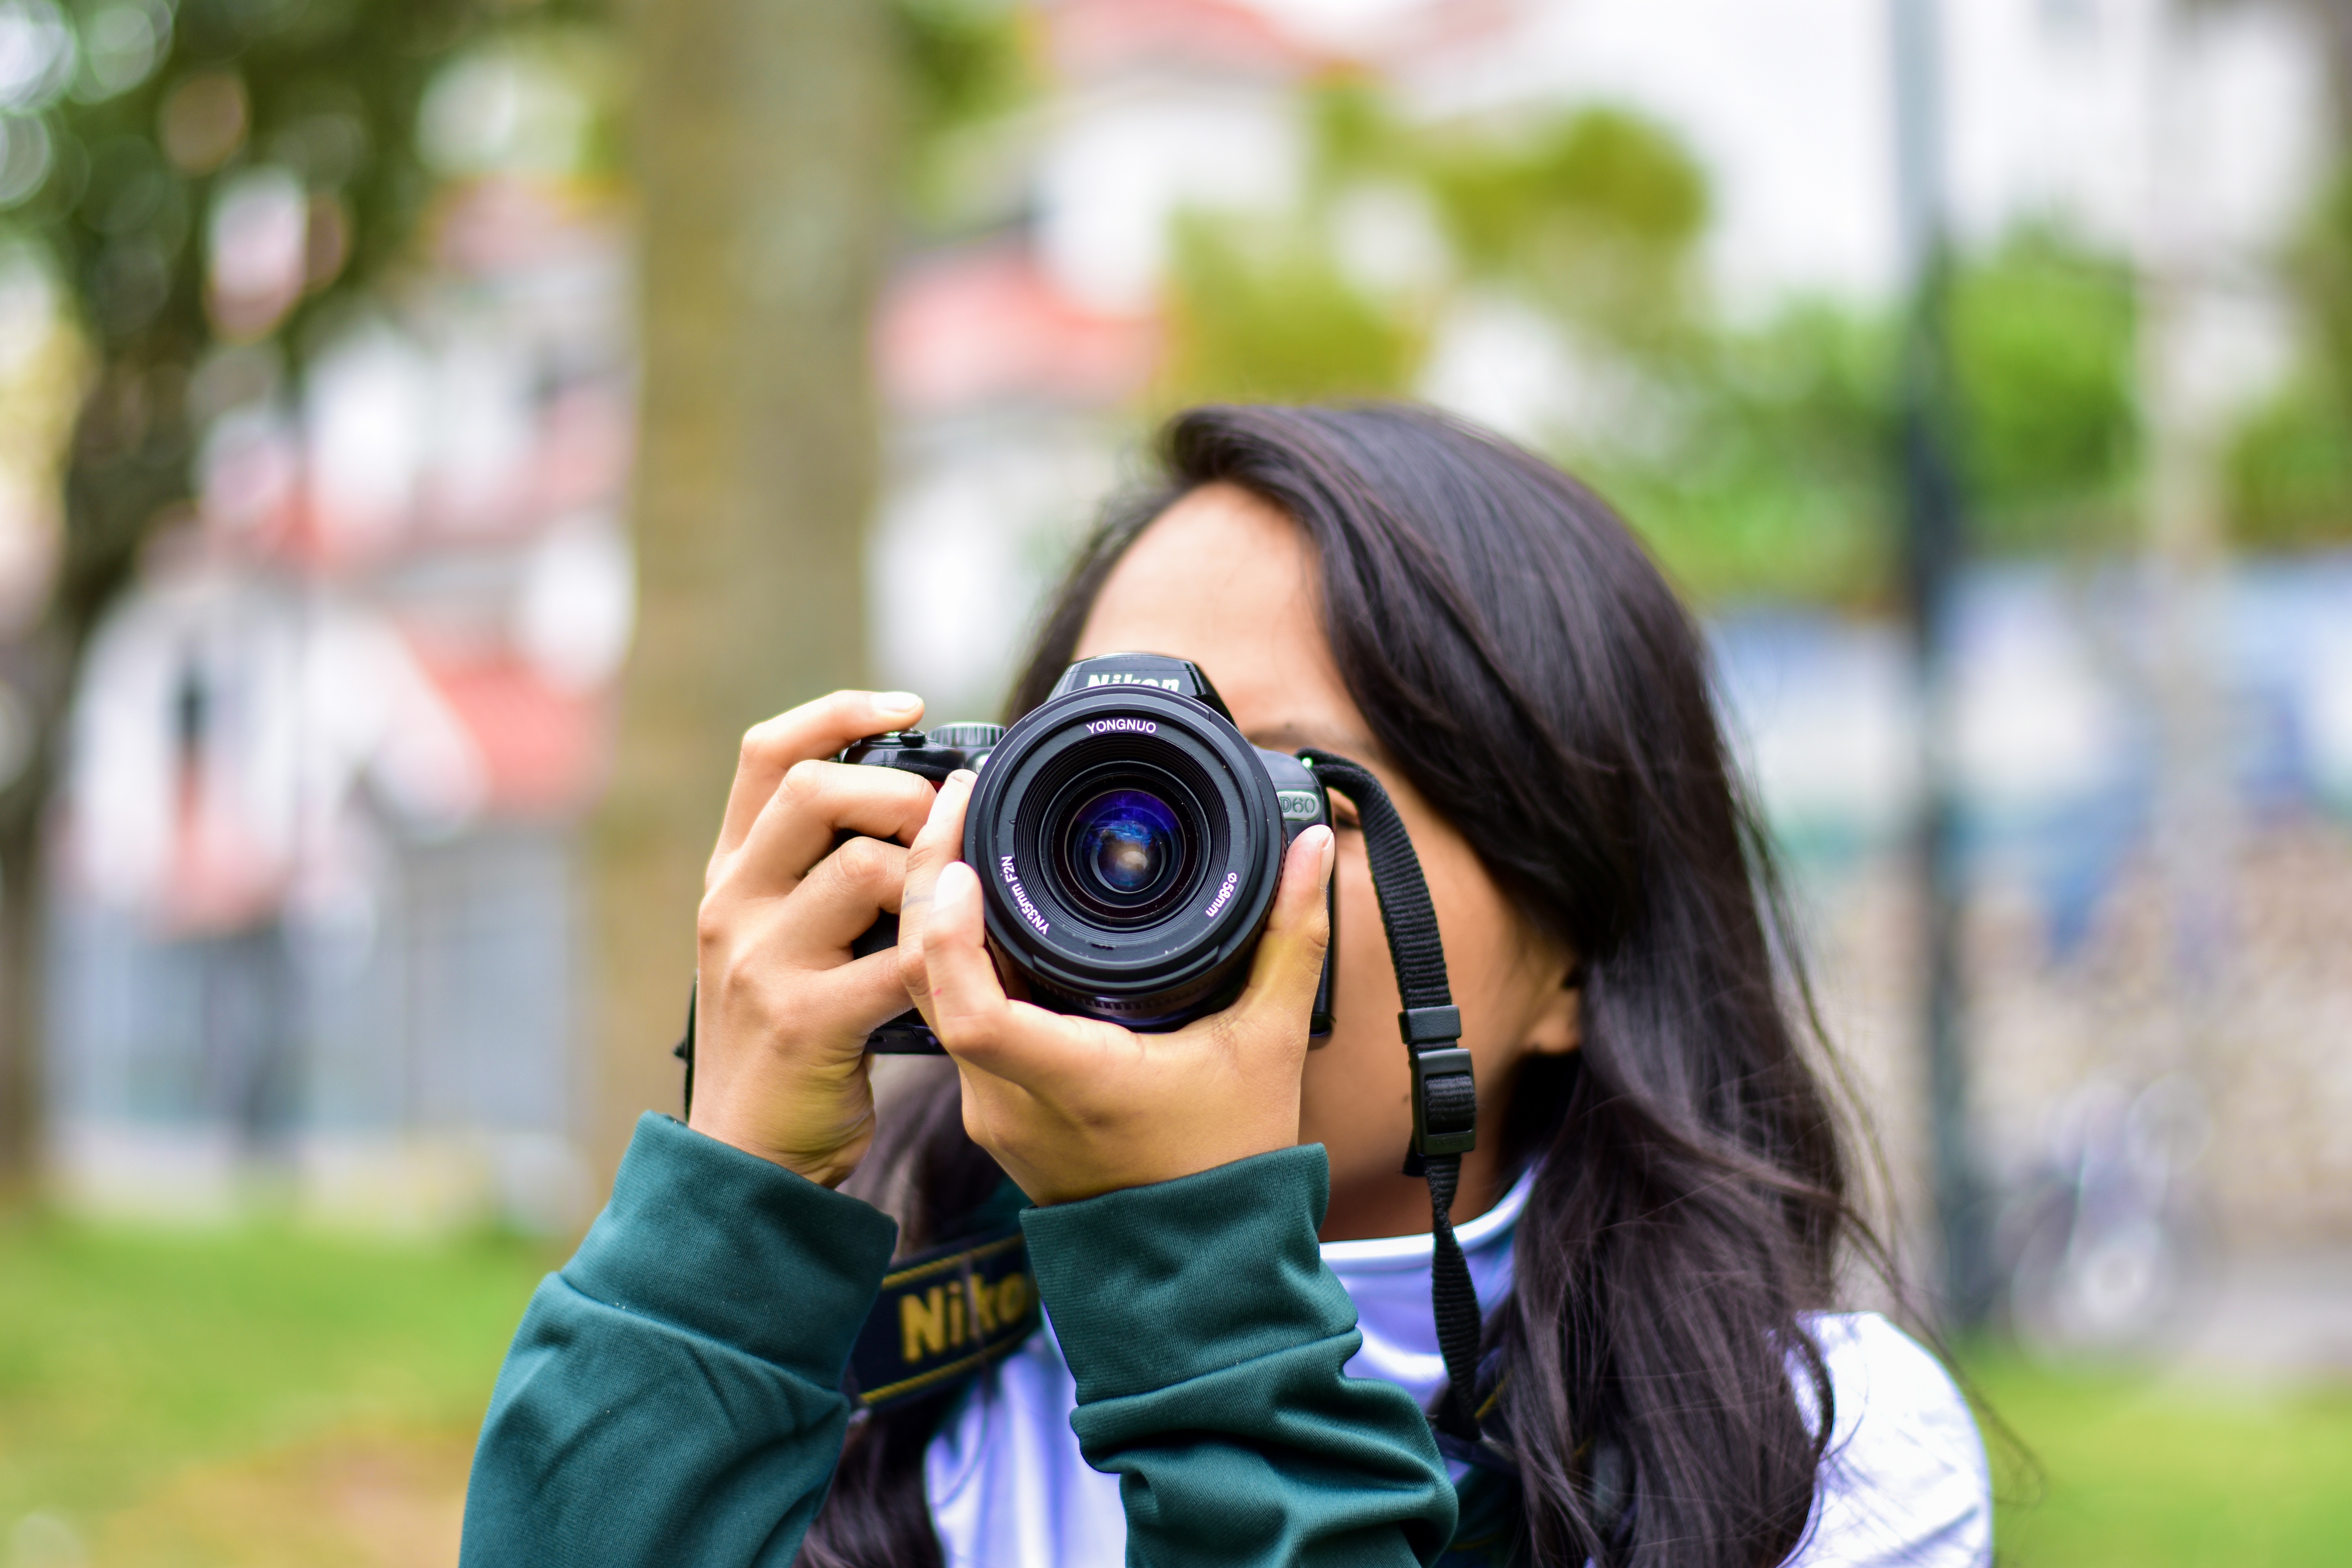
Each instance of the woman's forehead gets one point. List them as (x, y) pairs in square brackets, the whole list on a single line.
[(1225, 580)]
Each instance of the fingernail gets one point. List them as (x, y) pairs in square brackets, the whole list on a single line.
[(957, 882), (1327, 852), (963, 776), (891, 703)]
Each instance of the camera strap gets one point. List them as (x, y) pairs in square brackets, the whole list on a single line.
[(1444, 1094), (943, 1315)]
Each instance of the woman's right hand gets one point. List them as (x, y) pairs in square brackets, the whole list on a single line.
[(782, 1008)]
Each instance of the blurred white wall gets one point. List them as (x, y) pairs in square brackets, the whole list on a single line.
[(2050, 109)]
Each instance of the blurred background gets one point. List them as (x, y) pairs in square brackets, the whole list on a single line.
[(431, 432)]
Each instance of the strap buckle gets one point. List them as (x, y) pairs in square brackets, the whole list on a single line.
[(1444, 1101)]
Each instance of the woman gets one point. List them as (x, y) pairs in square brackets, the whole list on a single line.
[(1236, 1274)]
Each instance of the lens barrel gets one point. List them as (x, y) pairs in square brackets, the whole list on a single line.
[(1128, 841)]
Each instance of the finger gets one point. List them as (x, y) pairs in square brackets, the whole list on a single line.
[(955, 984), (841, 897), (939, 845), (865, 990), (967, 1010), (1289, 960), (818, 729), (816, 803)]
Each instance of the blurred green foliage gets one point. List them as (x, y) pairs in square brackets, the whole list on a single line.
[(1771, 476), (1758, 459), (1595, 216), (2288, 475), (968, 70), (2043, 344), (1264, 313), (964, 62)]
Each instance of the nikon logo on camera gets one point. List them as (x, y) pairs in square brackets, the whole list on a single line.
[(1118, 680)]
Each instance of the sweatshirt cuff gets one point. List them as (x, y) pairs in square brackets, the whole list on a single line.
[(721, 1244), (1222, 1263)]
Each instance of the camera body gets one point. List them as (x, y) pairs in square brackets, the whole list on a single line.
[(1128, 841)]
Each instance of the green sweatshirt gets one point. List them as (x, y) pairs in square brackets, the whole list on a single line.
[(674, 1394)]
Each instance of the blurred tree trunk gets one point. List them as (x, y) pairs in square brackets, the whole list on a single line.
[(20, 905), (2334, 18), (123, 471), (764, 145)]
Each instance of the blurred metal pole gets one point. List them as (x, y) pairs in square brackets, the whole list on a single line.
[(2180, 269), (1935, 542), (765, 146)]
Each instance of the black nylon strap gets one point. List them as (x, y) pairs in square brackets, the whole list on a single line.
[(684, 1051), (1405, 910), (1453, 1299), (1445, 1098)]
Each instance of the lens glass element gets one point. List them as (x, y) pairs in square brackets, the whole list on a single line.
[(1124, 843)]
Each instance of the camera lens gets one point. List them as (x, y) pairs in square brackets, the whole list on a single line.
[(1124, 841), (1129, 840)]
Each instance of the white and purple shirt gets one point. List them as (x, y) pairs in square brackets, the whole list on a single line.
[(1904, 1482)]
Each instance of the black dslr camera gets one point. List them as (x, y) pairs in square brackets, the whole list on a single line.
[(1128, 841)]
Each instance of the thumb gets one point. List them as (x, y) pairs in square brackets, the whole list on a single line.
[(935, 849), (1289, 960)]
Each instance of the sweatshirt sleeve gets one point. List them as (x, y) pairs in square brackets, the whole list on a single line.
[(1207, 1342), (674, 1394)]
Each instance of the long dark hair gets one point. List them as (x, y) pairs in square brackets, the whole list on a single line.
[(1523, 662)]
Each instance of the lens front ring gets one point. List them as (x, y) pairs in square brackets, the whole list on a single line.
[(1086, 944)]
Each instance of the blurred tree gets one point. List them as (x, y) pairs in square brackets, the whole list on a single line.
[(217, 174), (1753, 461), (1756, 459), (1262, 312), (2288, 473), (766, 138), (1597, 216), (2334, 19), (2043, 335), (1592, 216), (968, 68), (1767, 472), (1774, 474)]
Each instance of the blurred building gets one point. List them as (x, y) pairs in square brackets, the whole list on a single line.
[(313, 930)]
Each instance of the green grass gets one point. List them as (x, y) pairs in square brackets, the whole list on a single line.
[(2150, 1470), (127, 1355), (130, 1359)]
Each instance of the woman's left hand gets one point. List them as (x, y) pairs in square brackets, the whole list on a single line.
[(1074, 1106)]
